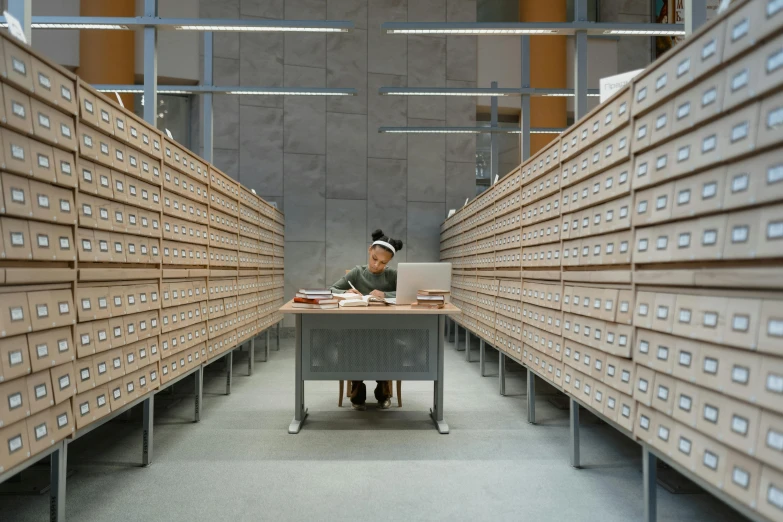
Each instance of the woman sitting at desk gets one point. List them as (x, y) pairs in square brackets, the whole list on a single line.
[(373, 279)]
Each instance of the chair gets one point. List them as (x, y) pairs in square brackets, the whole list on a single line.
[(347, 388), (348, 393)]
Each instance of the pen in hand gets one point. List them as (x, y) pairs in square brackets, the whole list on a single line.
[(361, 294)]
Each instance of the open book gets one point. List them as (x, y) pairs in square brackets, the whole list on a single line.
[(363, 300)]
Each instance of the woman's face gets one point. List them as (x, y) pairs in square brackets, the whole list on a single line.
[(378, 259)]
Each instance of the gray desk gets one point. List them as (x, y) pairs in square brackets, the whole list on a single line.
[(389, 343)]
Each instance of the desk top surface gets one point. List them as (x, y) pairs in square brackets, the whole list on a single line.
[(448, 309)]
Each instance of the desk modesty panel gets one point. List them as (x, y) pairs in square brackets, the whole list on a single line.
[(376, 347)]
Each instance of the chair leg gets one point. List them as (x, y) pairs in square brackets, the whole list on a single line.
[(340, 397), (399, 394)]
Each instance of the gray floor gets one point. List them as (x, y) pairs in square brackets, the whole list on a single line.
[(239, 462)]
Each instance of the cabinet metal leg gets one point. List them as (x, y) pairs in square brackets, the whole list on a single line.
[(454, 327), (482, 356), (502, 372), (267, 335), (229, 371), (448, 329), (146, 441), (531, 396), (251, 360), (59, 466), (574, 432), (200, 391), (278, 337), (456, 342), (467, 345), (650, 480)]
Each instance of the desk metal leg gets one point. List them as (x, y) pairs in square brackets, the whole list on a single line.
[(59, 466), (229, 371), (456, 342), (300, 413), (502, 372), (251, 360), (467, 345), (649, 471), (531, 397), (453, 328), (278, 336), (574, 432), (482, 356), (448, 329), (437, 408), (146, 441), (199, 392)]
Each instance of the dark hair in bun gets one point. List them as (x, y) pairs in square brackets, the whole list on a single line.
[(378, 235)]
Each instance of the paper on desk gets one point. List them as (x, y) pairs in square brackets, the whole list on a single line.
[(365, 298)]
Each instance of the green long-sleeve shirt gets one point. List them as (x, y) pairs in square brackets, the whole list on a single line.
[(365, 281)]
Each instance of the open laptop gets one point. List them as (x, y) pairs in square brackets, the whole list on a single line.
[(412, 277)]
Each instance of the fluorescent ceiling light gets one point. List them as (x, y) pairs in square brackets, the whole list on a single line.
[(189, 24), (259, 25), (120, 90), (473, 31), (443, 93), (643, 32), (465, 130), (140, 90), (243, 91), (102, 27), (446, 91), (291, 93), (431, 130), (274, 29), (538, 131), (571, 95), (480, 91), (531, 28)]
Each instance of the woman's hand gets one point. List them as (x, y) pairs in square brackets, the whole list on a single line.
[(378, 293), (352, 291)]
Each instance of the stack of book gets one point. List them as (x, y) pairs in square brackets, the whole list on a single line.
[(433, 299), (315, 299)]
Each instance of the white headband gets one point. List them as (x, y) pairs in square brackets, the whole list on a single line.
[(386, 245)]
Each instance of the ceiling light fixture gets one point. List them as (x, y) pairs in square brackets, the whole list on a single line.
[(102, 27), (480, 91), (466, 130), (275, 29), (188, 24), (311, 92), (645, 32), (531, 28)]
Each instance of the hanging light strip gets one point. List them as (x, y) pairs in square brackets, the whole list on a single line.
[(488, 91), (238, 90), (643, 32), (290, 91), (102, 27), (188, 24), (466, 130), (528, 28)]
